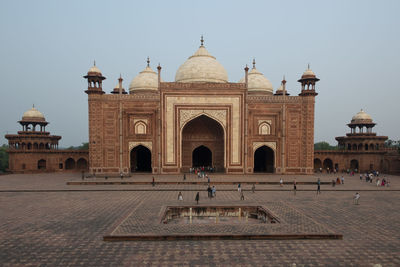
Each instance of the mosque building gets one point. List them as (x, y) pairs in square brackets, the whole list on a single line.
[(200, 119)]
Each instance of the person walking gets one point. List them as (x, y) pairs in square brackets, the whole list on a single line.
[(356, 198), (214, 191), (241, 195), (281, 182), (153, 183), (239, 188), (294, 187), (253, 188), (180, 197), (197, 198), (318, 186), (209, 192), (184, 176), (342, 179)]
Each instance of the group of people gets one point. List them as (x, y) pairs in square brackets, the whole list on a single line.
[(369, 177), (201, 169), (338, 181)]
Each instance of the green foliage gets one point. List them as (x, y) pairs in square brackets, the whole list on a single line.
[(3, 158), (324, 146), (84, 146), (393, 144)]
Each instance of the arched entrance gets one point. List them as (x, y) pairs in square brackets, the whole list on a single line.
[(203, 144), (354, 164), (70, 164), (81, 164), (317, 164), (140, 159), (41, 164), (201, 156), (264, 160), (328, 164)]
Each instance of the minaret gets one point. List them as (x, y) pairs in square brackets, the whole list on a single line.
[(95, 80), (307, 95)]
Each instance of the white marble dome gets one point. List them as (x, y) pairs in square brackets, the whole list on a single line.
[(94, 70), (308, 73), (201, 68), (361, 117), (257, 82), (145, 80), (33, 114)]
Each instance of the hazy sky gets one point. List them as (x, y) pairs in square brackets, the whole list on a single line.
[(47, 46)]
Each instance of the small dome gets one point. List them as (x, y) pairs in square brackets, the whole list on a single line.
[(94, 70), (201, 68), (361, 117), (308, 73), (33, 115), (257, 81), (146, 80)]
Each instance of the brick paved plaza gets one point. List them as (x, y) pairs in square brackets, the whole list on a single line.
[(45, 222)]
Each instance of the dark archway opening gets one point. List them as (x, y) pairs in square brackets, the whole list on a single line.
[(202, 156), (317, 164), (354, 164), (81, 164), (70, 164), (264, 160), (141, 159), (41, 164), (328, 164)]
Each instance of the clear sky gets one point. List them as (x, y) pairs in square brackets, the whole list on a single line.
[(352, 46)]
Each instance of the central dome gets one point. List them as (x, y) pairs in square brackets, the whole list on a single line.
[(201, 68)]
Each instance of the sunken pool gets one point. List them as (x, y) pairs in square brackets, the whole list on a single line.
[(217, 214)]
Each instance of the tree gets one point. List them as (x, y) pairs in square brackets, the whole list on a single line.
[(324, 146), (3, 158), (84, 146)]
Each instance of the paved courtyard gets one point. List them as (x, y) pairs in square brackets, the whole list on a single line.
[(45, 222)]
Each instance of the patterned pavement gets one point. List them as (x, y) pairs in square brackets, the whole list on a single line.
[(66, 227)]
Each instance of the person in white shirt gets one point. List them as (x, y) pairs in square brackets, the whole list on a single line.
[(356, 198)]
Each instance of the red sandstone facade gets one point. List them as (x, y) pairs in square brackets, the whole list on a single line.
[(182, 125)]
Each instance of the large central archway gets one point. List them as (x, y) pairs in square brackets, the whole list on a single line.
[(264, 160), (140, 159), (203, 144)]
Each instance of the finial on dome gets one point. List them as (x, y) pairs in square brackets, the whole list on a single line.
[(148, 62), (254, 63), (33, 105), (201, 41), (308, 67), (94, 62)]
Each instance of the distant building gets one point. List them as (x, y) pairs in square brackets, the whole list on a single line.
[(360, 150), (35, 150), (200, 119)]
